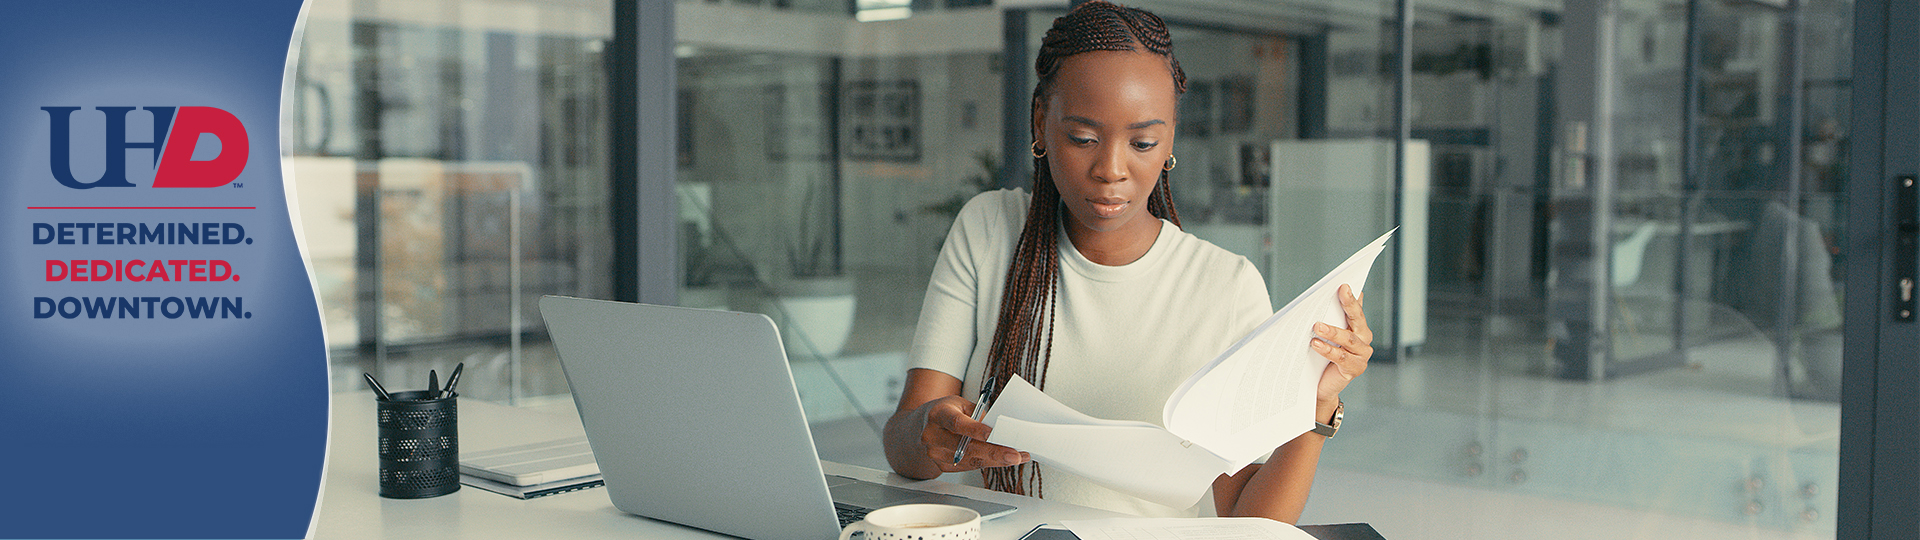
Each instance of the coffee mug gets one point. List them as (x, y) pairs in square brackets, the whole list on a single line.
[(917, 522)]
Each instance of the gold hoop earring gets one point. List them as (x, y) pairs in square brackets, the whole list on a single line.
[(1038, 152), (1172, 161)]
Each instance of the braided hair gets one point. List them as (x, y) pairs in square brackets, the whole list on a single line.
[(1023, 339)]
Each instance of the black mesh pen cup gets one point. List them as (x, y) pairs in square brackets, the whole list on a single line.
[(419, 446)]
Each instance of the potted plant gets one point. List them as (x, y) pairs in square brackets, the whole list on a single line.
[(979, 182), (816, 299), (704, 285)]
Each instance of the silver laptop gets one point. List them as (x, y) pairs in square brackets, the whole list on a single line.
[(694, 419)]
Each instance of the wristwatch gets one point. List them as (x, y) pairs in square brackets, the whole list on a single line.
[(1327, 430)]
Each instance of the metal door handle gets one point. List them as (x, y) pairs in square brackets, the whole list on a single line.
[(1905, 266)]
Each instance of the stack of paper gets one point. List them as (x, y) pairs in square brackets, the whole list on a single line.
[(1255, 396)]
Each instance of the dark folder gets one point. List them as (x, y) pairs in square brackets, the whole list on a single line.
[(1344, 531)]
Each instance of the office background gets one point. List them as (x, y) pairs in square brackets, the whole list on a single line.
[(1617, 308)]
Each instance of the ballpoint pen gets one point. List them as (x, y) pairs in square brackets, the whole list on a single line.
[(433, 385), (453, 379), (979, 411), (377, 390)]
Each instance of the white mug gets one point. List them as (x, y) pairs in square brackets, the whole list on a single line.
[(918, 522)]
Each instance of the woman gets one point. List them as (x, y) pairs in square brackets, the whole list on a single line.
[(1112, 319)]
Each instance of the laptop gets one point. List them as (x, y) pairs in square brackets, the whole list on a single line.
[(694, 419)]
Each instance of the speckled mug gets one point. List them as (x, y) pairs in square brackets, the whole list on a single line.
[(917, 522)]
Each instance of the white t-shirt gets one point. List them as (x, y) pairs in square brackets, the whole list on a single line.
[(1124, 337)]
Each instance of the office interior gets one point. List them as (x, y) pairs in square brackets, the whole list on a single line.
[(1614, 308)]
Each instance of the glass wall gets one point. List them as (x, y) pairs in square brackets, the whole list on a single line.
[(818, 174), (1611, 311), (451, 164), (1612, 308)]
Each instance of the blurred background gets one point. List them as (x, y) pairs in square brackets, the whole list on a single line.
[(1613, 310)]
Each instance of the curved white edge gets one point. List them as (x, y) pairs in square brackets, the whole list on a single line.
[(1344, 273), (1145, 462), (292, 196)]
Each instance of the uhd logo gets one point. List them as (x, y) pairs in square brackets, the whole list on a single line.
[(174, 163)]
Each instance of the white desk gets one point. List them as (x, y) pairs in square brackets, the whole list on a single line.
[(351, 507)]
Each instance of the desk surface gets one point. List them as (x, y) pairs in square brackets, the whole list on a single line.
[(351, 507)]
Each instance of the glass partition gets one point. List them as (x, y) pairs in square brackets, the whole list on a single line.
[(817, 179), (1632, 292), (1610, 310), (451, 166)]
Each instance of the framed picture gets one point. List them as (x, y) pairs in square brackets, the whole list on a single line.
[(1236, 104), (883, 121), (1196, 110), (1256, 162)]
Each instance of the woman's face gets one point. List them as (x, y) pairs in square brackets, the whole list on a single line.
[(1108, 129)]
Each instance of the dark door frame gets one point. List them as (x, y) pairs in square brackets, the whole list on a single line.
[(1880, 378), (641, 72)]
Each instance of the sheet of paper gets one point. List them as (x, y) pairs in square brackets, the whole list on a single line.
[(1136, 458), (1184, 529), (1260, 392), (1035, 406), (1255, 396)]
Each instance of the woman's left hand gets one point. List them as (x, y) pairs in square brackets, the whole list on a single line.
[(1349, 351)]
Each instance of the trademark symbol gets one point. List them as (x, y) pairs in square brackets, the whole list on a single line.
[(237, 184)]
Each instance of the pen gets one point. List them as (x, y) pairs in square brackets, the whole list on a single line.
[(979, 411), (433, 384), (453, 379), (377, 390)]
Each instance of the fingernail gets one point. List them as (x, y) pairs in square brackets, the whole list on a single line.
[(1320, 327)]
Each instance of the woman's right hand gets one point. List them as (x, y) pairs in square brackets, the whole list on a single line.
[(950, 418), (927, 427)]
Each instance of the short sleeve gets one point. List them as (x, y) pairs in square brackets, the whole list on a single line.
[(1256, 303), (945, 338)]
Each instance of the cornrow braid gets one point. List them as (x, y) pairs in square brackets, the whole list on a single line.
[(1103, 26), (1023, 339)]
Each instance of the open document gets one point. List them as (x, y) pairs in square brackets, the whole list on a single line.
[(1255, 396)]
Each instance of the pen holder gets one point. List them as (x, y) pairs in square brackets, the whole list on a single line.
[(419, 446)]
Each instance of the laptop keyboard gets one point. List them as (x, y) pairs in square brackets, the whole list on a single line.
[(849, 513)]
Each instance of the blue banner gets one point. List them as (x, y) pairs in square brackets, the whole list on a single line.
[(162, 368)]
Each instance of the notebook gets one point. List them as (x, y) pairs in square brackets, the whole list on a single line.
[(535, 463), (533, 470)]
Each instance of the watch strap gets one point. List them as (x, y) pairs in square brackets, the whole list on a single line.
[(1328, 430)]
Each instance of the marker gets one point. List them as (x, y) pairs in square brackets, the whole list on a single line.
[(433, 384), (377, 390), (453, 379)]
